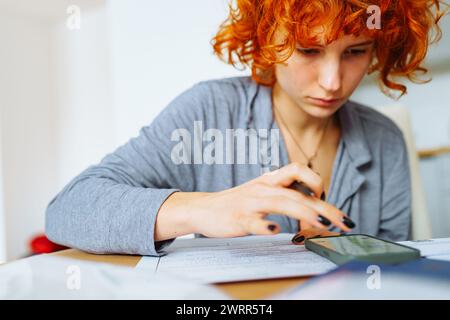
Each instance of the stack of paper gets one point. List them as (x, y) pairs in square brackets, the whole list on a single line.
[(437, 249), (237, 259)]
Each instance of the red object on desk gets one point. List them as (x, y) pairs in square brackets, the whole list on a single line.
[(41, 244)]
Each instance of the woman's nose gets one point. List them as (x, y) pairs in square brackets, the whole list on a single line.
[(330, 78)]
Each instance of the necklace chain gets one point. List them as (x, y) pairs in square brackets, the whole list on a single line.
[(308, 159)]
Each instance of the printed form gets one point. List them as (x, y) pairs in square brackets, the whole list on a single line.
[(237, 259), (437, 249)]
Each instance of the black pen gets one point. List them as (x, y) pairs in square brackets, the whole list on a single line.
[(303, 188)]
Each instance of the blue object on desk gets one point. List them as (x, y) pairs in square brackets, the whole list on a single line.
[(419, 279), (428, 268)]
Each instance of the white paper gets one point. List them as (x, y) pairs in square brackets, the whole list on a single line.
[(52, 277), (237, 259), (438, 249)]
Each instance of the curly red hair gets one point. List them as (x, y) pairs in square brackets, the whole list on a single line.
[(247, 36)]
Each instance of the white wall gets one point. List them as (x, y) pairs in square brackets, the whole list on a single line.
[(27, 127), (159, 49), (82, 87), (2, 207), (54, 105)]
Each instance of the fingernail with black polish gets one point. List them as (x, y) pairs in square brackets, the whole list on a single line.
[(271, 227), (324, 220), (322, 196), (298, 239), (348, 222)]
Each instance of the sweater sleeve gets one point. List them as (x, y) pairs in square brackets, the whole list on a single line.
[(111, 207)]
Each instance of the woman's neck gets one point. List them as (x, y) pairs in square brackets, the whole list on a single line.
[(294, 117)]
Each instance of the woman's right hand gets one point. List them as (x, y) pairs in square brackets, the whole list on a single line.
[(241, 210)]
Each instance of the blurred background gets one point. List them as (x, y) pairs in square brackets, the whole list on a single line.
[(79, 78)]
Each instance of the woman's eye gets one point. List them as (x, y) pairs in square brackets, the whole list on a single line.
[(355, 52), (308, 52)]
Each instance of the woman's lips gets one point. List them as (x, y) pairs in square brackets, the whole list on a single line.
[(324, 102)]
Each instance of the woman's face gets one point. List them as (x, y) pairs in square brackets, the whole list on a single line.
[(319, 80)]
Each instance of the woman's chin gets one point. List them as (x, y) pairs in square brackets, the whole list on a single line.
[(321, 112)]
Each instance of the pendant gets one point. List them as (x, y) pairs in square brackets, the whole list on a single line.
[(309, 164)]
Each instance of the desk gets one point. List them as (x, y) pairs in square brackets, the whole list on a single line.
[(259, 289)]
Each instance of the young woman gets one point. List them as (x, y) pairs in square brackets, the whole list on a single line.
[(182, 175)]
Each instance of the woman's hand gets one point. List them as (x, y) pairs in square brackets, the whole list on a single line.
[(241, 210)]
